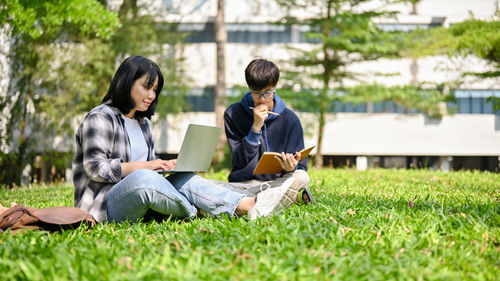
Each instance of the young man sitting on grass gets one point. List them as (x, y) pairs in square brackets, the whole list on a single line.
[(262, 122)]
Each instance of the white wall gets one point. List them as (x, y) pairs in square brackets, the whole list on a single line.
[(397, 134), (372, 134), (266, 10), (200, 67), (200, 63)]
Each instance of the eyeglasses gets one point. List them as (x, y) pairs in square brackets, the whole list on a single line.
[(264, 94)]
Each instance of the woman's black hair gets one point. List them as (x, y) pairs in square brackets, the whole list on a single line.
[(131, 69), (261, 73)]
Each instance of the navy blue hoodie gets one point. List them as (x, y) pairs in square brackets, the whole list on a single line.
[(281, 133)]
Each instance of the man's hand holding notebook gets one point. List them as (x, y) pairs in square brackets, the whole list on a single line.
[(269, 164)]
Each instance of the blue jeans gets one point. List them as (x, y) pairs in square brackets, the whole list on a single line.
[(178, 195)]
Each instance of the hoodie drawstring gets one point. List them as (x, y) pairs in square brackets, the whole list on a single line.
[(264, 134)]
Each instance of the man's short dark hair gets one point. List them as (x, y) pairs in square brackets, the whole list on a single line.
[(261, 73), (131, 69)]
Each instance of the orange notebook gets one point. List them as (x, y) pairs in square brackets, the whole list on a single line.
[(270, 165)]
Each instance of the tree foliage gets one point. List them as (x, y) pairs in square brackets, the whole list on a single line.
[(39, 30), (471, 37), (47, 19), (33, 26), (64, 54), (478, 37), (82, 79), (342, 33)]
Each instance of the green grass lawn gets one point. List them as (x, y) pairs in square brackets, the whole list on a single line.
[(373, 225)]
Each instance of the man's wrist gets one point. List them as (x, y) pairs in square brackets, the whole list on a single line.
[(253, 137)]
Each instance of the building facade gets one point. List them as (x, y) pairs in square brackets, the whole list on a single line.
[(366, 135), (362, 135)]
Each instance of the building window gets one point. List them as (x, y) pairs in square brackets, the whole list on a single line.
[(474, 101), (467, 102), (266, 33), (201, 99), (339, 106)]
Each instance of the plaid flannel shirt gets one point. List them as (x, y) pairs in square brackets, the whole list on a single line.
[(102, 144)]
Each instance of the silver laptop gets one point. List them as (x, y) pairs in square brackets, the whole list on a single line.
[(197, 149)]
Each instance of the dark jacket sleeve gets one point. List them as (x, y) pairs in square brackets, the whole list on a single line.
[(296, 142), (245, 152)]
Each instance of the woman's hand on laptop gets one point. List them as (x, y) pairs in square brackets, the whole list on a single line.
[(171, 164), (159, 164)]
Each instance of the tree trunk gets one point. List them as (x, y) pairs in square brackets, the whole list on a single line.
[(220, 86), (128, 10), (324, 94), (22, 150), (414, 10), (321, 130)]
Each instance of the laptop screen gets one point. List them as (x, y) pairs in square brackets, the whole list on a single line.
[(197, 149)]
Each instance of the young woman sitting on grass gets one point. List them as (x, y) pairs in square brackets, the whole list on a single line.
[(114, 163)]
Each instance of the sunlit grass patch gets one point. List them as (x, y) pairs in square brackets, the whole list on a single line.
[(372, 225)]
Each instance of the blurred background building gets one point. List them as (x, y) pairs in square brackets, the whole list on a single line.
[(369, 135), (361, 135)]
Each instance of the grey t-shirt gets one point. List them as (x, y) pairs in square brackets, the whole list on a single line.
[(138, 147)]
